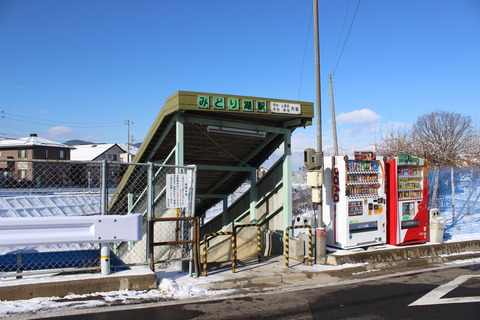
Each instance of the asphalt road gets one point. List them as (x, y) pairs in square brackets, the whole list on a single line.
[(452, 293)]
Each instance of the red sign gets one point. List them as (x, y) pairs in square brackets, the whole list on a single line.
[(336, 185)]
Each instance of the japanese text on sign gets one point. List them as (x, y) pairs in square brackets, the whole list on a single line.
[(232, 104), (178, 187), (289, 108)]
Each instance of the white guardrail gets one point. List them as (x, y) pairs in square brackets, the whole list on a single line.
[(103, 229)]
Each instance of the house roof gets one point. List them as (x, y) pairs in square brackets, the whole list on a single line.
[(88, 152), (31, 141), (124, 146)]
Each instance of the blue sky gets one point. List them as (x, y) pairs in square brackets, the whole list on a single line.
[(78, 69)]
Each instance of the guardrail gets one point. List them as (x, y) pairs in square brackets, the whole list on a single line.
[(216, 234), (103, 229), (310, 250), (259, 236)]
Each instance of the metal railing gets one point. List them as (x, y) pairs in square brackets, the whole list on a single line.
[(208, 237), (177, 243), (310, 245)]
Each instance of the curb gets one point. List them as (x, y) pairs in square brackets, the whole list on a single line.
[(60, 288)]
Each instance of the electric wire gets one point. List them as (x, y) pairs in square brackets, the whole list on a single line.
[(341, 34), (49, 122), (63, 123), (346, 38), (304, 54)]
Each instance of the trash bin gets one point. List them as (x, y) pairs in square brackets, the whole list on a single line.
[(437, 226)]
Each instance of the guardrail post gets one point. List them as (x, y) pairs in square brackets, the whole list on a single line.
[(104, 247), (105, 258)]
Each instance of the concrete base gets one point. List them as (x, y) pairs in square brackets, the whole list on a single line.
[(79, 284), (436, 252)]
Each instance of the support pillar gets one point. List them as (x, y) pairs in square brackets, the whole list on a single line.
[(253, 197)]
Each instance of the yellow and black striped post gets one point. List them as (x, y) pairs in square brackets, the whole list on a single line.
[(205, 255), (286, 247), (259, 243), (259, 236), (234, 251), (310, 240), (213, 235)]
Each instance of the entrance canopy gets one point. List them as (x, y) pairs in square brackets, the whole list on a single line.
[(226, 136)]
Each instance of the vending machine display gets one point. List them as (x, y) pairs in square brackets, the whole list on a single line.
[(354, 209), (407, 201)]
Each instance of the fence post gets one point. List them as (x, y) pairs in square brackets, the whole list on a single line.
[(150, 213), (104, 247)]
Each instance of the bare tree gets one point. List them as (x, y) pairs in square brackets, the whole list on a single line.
[(397, 140), (443, 138)]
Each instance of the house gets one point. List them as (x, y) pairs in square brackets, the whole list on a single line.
[(97, 152), (127, 157), (90, 173), (17, 159)]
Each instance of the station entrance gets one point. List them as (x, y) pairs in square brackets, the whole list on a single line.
[(227, 138)]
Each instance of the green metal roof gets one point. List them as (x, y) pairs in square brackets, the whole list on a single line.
[(200, 112)]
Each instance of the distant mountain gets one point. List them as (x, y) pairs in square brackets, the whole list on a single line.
[(77, 142)]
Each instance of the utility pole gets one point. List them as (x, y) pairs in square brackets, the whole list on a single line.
[(334, 121), (320, 232), (128, 123)]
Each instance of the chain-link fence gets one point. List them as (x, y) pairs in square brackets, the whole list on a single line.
[(457, 196), (70, 188)]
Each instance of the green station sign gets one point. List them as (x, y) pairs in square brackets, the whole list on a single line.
[(246, 105)]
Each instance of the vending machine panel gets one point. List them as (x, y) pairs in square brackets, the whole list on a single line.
[(407, 201), (354, 209)]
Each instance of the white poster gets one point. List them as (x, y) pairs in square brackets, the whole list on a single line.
[(178, 186)]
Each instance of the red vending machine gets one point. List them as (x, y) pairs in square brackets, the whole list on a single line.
[(407, 204)]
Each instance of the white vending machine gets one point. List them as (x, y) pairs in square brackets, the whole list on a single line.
[(354, 201)]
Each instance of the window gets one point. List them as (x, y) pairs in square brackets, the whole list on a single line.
[(46, 154), (62, 154), (22, 153), (22, 174), (112, 157)]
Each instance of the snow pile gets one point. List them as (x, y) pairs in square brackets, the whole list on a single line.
[(174, 285)]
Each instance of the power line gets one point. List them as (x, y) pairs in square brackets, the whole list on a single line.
[(304, 54), (346, 38), (61, 124), (3, 113), (341, 33)]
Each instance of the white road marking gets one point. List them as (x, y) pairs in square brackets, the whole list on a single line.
[(435, 296)]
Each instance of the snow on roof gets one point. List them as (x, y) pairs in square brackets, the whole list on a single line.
[(87, 152), (133, 149), (31, 141)]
